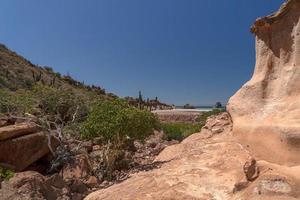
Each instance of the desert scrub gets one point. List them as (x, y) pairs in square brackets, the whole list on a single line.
[(179, 131), (119, 125), (203, 117), (116, 120), (45, 100), (19, 101), (6, 174)]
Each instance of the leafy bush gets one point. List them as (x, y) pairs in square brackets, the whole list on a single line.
[(45, 101), (179, 131), (49, 69), (20, 101), (203, 117), (116, 120), (62, 102), (6, 174)]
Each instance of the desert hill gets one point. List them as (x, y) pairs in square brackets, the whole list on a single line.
[(16, 72)]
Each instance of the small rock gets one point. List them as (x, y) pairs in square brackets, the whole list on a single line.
[(88, 145), (96, 153), (96, 147), (240, 186), (77, 196), (78, 186), (217, 130), (79, 168), (56, 180), (251, 170), (91, 182)]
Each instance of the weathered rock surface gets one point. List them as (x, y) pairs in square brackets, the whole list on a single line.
[(32, 185), (16, 130), (208, 166), (266, 110), (191, 170), (21, 145)]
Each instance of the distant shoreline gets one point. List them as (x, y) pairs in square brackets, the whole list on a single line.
[(194, 109)]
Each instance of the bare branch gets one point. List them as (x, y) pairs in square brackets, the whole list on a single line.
[(75, 113)]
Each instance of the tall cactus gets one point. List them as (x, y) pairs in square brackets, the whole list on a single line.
[(140, 100)]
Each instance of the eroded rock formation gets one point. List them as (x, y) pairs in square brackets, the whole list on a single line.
[(22, 144), (266, 110), (210, 165)]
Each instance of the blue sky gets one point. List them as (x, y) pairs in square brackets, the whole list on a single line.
[(183, 51)]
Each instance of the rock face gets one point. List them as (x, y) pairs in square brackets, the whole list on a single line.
[(266, 110), (208, 166), (22, 145), (190, 170), (32, 185)]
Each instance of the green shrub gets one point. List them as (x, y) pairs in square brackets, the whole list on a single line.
[(203, 117), (179, 131), (45, 101), (60, 102), (116, 120), (20, 101), (6, 174), (49, 69)]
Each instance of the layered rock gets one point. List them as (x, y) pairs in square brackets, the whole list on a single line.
[(32, 185), (23, 144), (266, 110)]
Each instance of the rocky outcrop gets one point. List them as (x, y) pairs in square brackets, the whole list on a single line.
[(208, 165), (190, 170), (23, 144), (266, 110), (17, 130), (32, 185)]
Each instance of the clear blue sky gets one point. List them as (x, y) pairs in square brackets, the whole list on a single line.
[(183, 51)]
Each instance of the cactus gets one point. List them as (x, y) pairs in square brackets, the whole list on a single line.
[(33, 75), (140, 100)]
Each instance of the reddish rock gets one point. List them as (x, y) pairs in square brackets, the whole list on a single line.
[(92, 182), (88, 145), (19, 153), (13, 131), (32, 185), (251, 170), (79, 168)]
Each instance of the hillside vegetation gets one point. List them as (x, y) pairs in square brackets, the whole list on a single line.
[(17, 72)]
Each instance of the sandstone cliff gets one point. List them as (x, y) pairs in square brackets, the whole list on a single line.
[(266, 110)]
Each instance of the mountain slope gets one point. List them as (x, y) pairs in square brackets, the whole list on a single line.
[(17, 72)]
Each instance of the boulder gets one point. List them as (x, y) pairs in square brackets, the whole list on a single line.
[(79, 168), (18, 153), (266, 110), (251, 170), (6, 121), (32, 185), (17, 130)]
